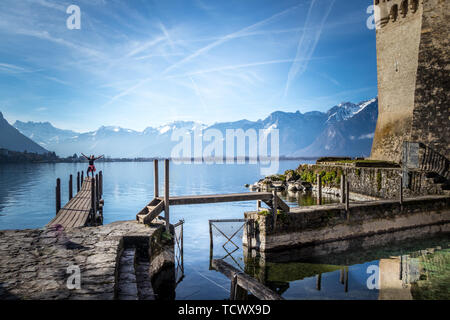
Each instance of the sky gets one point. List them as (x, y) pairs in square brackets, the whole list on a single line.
[(141, 63)]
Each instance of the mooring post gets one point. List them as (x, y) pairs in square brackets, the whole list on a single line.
[(342, 188), (78, 181), (319, 189), (341, 276), (70, 187), (82, 178), (156, 183), (346, 279), (319, 281), (97, 191), (401, 191), (258, 205), (58, 195), (100, 181), (93, 202), (166, 193)]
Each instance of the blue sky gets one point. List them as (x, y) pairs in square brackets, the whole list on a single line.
[(140, 63)]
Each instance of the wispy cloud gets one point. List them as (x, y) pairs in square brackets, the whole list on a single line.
[(11, 68), (241, 66), (229, 37), (308, 40)]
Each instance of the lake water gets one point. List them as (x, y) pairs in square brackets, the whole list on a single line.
[(27, 200)]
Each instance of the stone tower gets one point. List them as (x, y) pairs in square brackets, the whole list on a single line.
[(413, 69)]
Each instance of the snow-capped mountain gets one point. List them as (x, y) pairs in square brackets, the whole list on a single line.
[(351, 136), (346, 110), (12, 139), (346, 129), (44, 133)]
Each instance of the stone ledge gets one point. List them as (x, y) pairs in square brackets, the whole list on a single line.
[(34, 262)]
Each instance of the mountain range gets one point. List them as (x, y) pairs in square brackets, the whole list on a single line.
[(13, 140), (344, 130)]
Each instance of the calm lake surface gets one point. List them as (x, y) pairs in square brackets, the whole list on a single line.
[(27, 201)]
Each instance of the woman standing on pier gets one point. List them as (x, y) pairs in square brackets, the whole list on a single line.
[(91, 160)]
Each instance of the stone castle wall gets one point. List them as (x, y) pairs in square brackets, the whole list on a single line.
[(312, 226), (397, 61), (431, 116), (412, 64)]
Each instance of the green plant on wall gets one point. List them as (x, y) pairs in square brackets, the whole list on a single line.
[(379, 180)]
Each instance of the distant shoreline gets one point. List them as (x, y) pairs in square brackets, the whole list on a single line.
[(193, 160)]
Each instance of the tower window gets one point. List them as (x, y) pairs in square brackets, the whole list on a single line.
[(413, 5), (404, 8), (394, 12)]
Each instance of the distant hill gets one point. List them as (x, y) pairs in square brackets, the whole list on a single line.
[(346, 129), (12, 139)]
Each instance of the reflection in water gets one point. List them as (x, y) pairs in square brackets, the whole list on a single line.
[(417, 269)]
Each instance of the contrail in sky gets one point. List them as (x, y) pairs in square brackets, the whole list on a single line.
[(228, 38), (307, 43)]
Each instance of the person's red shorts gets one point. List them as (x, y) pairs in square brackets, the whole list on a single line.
[(91, 169)]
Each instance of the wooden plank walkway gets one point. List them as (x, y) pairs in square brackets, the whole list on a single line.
[(216, 198), (77, 212), (156, 206)]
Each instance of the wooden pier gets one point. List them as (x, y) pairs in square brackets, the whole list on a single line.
[(85, 209), (160, 204)]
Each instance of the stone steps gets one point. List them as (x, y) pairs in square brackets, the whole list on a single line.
[(127, 284), (144, 284), (133, 280)]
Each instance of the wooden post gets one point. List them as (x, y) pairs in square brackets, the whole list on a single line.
[(166, 193), (258, 205), (346, 279), (97, 191), (78, 181), (319, 281), (100, 181), (211, 245), (82, 178), (341, 276), (58, 195), (233, 287), (342, 188), (274, 207), (70, 187), (182, 246), (347, 197), (319, 189), (401, 191), (93, 202), (156, 178)]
